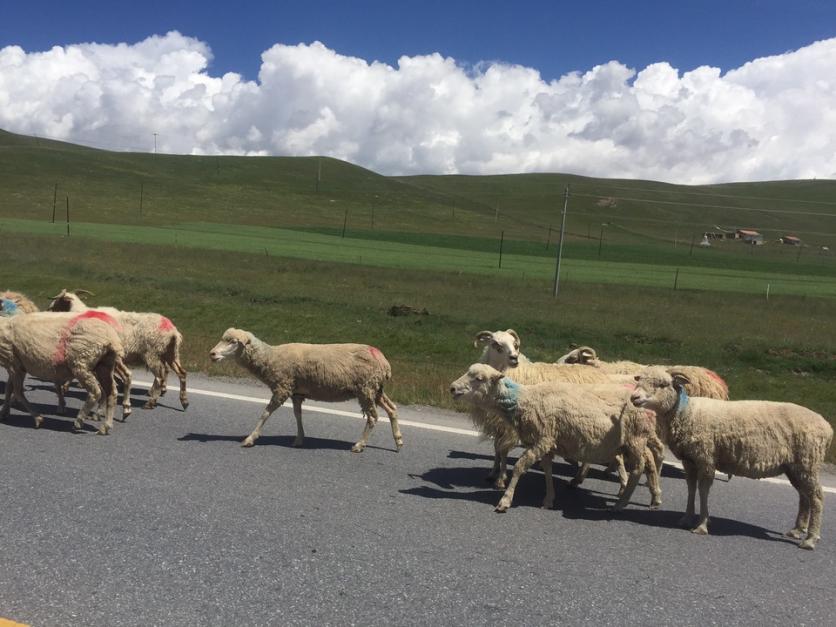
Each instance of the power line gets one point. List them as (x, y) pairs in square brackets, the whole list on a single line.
[(709, 194)]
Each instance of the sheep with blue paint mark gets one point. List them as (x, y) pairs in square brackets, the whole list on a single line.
[(590, 423), (13, 303), (749, 438), (502, 352)]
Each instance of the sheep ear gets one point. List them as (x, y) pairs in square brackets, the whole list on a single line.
[(498, 376), (679, 380), (516, 337), (482, 337)]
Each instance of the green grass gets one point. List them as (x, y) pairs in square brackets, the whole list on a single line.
[(395, 254), (782, 350)]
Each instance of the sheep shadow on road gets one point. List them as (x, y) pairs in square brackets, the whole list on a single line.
[(285, 441), (581, 503)]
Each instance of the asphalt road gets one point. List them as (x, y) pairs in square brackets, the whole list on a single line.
[(168, 521)]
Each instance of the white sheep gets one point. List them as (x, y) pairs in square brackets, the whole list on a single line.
[(591, 423), (749, 438), (502, 352), (703, 382), (321, 372), (58, 348), (150, 340)]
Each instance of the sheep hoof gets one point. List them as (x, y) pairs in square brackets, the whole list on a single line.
[(248, 442), (547, 505), (502, 507), (700, 530), (103, 430), (796, 533), (185, 404), (809, 544), (574, 483), (149, 405), (656, 503), (39, 420), (399, 444), (358, 448), (298, 443)]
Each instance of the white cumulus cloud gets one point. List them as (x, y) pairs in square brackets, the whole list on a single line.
[(772, 118)]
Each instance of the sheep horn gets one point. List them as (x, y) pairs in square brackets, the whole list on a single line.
[(87, 292), (679, 379), (513, 334), (586, 354), (60, 294), (482, 337)]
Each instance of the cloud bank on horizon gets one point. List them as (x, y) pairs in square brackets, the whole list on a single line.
[(772, 118)]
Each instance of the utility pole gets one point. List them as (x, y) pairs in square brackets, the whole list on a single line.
[(68, 215), (141, 190), (560, 243), (155, 143), (318, 173), (54, 200), (501, 241)]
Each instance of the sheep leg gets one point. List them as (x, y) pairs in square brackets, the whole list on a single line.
[(122, 371), (370, 411), (525, 462), (579, 477), (691, 480), (623, 477), (658, 451), (104, 376), (815, 498), (7, 396), (546, 464), (803, 518), (705, 482), (94, 394), (276, 401), (157, 368), (297, 412), (181, 374), (17, 383), (498, 473), (636, 463), (62, 402), (392, 411), (652, 475)]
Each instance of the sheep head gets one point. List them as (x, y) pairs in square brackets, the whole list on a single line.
[(658, 389), (232, 343), (581, 355), (477, 384), (502, 348), (68, 301)]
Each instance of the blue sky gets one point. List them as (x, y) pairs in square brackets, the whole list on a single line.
[(687, 92), (553, 37)]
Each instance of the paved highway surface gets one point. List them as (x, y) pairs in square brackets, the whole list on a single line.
[(168, 521)]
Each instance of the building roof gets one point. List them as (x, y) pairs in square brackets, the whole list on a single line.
[(747, 232)]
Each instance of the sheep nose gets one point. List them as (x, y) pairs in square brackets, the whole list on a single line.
[(514, 361)]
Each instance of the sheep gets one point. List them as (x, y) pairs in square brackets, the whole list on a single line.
[(750, 438), (502, 352), (592, 423), (150, 340), (60, 347), (12, 303), (703, 382), (322, 372)]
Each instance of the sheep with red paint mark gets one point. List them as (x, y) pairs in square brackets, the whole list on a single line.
[(320, 372), (591, 423), (502, 352), (59, 348), (150, 340), (702, 381)]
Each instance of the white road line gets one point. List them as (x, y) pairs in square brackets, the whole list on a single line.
[(408, 423)]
